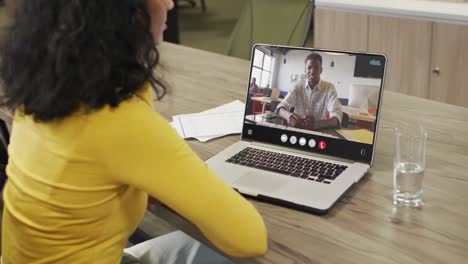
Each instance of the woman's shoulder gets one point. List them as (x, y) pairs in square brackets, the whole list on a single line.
[(128, 119)]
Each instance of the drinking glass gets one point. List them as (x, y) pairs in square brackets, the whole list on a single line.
[(409, 165)]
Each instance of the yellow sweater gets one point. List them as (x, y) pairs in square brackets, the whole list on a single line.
[(78, 187)]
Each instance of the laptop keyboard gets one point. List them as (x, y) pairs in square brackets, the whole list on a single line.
[(314, 170)]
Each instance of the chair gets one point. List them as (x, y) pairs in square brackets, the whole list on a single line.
[(193, 4), (5, 140), (365, 98), (283, 94), (364, 94), (343, 101), (270, 21), (344, 120), (266, 92), (274, 105), (257, 107)]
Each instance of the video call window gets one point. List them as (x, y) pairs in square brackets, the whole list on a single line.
[(316, 92)]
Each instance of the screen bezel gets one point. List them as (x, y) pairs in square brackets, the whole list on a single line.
[(339, 148)]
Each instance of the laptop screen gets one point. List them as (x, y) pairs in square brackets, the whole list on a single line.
[(315, 100)]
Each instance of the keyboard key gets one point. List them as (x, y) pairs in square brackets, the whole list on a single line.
[(296, 174)]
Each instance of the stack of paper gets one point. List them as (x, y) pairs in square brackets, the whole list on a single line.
[(360, 135), (217, 122)]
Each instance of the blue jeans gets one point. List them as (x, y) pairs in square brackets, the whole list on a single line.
[(173, 248)]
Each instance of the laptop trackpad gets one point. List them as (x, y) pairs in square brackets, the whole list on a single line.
[(259, 183)]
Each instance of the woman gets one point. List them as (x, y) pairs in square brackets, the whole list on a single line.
[(86, 146)]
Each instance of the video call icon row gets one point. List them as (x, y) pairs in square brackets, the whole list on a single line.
[(302, 141)]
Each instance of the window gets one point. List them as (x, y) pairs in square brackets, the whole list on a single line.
[(262, 68)]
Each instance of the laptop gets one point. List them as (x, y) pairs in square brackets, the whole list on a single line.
[(305, 167)]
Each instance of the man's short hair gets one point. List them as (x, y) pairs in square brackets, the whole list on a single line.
[(314, 56)]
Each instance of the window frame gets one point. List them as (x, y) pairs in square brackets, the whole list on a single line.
[(262, 69)]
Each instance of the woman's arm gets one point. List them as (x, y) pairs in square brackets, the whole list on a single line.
[(141, 149)]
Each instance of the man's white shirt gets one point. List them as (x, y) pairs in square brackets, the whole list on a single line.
[(319, 100)]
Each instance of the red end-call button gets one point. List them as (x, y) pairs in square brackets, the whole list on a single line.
[(322, 145)]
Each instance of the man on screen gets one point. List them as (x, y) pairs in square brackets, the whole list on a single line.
[(308, 102)]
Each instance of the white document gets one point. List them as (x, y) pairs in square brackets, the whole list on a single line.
[(211, 124), (234, 122), (229, 107), (176, 125)]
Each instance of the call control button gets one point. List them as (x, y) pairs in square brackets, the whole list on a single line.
[(312, 143), (284, 138), (322, 145), (302, 141), (293, 140)]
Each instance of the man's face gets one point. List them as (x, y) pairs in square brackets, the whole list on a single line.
[(313, 69)]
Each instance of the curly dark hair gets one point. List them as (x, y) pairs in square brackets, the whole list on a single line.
[(63, 54)]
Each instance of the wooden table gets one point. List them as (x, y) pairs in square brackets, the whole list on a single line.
[(364, 227)]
